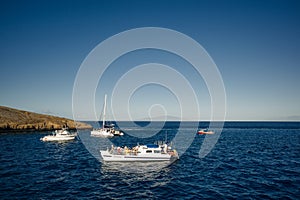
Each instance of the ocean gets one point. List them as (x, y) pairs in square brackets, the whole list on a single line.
[(251, 160)]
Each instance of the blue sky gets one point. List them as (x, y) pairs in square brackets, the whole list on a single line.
[(255, 45)]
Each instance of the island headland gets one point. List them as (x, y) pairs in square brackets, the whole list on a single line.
[(12, 119)]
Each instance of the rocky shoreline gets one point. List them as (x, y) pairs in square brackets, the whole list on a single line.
[(18, 120)]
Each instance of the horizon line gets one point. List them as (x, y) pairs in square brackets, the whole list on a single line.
[(194, 121)]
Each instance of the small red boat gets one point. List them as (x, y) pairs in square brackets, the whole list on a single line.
[(205, 132)]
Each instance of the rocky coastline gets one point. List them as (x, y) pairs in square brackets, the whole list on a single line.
[(19, 120)]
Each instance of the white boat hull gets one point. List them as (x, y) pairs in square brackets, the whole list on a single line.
[(56, 138), (107, 156), (101, 133), (205, 133)]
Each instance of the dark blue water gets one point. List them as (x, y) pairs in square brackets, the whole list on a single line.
[(250, 161)]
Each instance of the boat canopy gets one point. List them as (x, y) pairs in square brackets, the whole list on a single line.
[(152, 145), (109, 126)]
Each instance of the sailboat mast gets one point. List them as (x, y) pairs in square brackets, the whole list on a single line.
[(104, 111)]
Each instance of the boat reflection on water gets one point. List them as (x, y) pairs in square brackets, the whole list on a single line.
[(151, 175)]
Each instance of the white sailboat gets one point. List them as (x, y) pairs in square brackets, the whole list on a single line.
[(104, 131)]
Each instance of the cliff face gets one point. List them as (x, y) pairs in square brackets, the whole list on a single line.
[(13, 119)]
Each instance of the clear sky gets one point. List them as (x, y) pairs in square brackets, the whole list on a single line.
[(255, 45)]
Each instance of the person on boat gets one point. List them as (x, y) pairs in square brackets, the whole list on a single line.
[(126, 150), (135, 150), (165, 148), (112, 148)]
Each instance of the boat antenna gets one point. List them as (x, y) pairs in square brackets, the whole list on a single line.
[(104, 111), (166, 139)]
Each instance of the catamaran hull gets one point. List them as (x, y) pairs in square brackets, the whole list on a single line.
[(107, 156), (98, 133)]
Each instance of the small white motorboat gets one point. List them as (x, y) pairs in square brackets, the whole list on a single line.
[(59, 135), (112, 129), (118, 133), (140, 153), (205, 132)]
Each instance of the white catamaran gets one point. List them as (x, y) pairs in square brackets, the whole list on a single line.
[(106, 130), (140, 153)]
